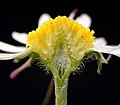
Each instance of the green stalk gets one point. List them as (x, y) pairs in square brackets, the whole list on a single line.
[(61, 91), (61, 86)]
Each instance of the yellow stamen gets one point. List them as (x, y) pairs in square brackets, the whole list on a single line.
[(77, 39)]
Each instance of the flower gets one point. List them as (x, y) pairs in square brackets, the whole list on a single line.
[(65, 40), (61, 32), (60, 37), (61, 44), (13, 51)]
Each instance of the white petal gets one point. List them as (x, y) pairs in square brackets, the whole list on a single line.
[(72, 14), (114, 50), (43, 18), (100, 42), (84, 19), (20, 37), (10, 48), (8, 56)]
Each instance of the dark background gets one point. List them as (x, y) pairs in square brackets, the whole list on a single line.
[(30, 86)]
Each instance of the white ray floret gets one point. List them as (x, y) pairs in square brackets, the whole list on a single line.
[(114, 50), (10, 48), (84, 19), (20, 37), (101, 41), (8, 56), (43, 18)]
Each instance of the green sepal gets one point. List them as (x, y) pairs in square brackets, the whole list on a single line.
[(97, 56), (22, 56)]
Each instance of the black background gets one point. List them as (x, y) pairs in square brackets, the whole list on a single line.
[(30, 86)]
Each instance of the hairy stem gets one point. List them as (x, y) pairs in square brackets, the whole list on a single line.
[(61, 91)]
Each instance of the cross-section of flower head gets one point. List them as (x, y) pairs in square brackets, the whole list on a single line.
[(63, 43), (14, 51), (60, 33)]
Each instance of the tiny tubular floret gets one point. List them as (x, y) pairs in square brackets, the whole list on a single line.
[(47, 37)]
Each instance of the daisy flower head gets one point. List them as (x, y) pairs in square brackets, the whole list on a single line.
[(13, 51), (61, 43)]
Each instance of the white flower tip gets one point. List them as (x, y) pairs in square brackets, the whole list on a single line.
[(10, 48), (84, 19), (101, 41), (109, 49), (8, 56), (43, 18), (13, 75), (73, 13), (17, 71), (20, 37)]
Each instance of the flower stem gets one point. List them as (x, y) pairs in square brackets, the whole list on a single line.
[(61, 91)]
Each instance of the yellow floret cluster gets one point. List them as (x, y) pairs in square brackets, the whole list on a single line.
[(46, 39)]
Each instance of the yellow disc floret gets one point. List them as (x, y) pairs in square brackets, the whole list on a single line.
[(76, 38)]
